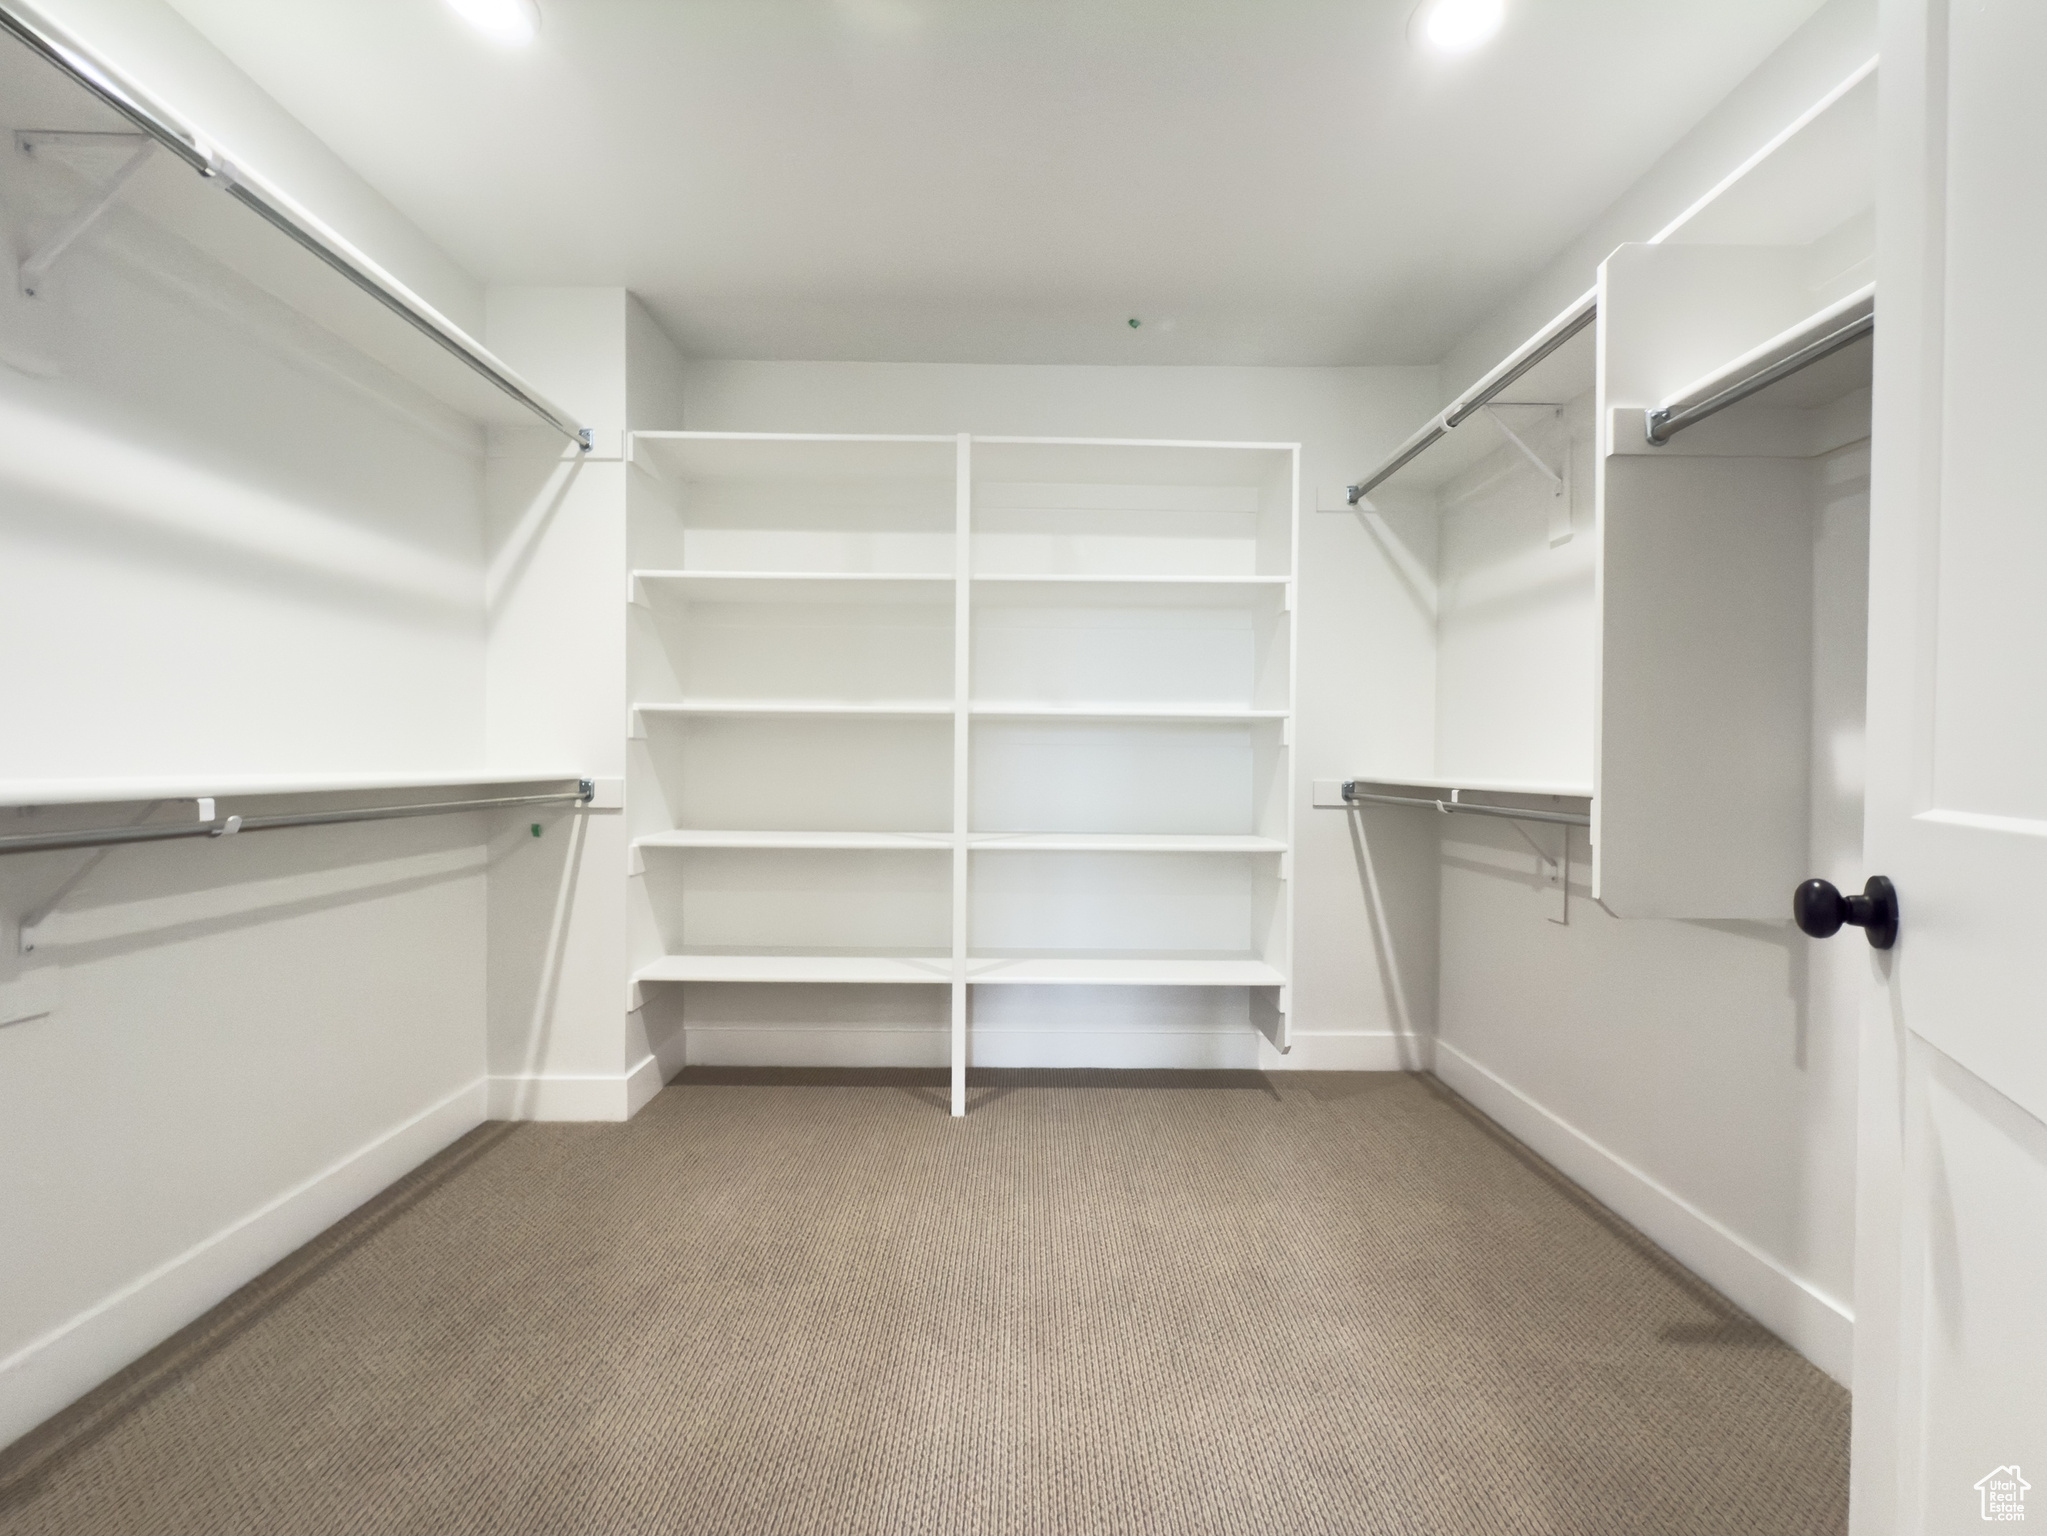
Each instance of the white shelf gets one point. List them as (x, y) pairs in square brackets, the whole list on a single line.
[(1479, 786), (801, 586), (927, 841), (979, 842), (1185, 712), (850, 968), (888, 709), (1133, 580), (1162, 970), (943, 577), (83, 791), (1119, 842)]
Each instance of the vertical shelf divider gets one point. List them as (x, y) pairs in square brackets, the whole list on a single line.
[(962, 567)]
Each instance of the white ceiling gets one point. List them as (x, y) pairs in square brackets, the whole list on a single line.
[(1259, 181)]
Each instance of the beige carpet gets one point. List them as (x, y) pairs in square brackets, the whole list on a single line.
[(788, 1302)]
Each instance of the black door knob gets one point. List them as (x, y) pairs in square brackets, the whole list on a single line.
[(1820, 910)]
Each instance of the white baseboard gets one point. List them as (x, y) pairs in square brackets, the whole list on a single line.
[(580, 1096), (1179, 1050), (838, 1045), (823, 1045), (642, 1083), (1350, 1050), (1805, 1317), (55, 1370), (671, 1052), (845, 1045)]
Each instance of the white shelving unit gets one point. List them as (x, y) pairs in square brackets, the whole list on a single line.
[(911, 712)]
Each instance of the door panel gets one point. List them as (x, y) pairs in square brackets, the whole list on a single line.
[(1976, 1171), (1990, 728), (1951, 1332)]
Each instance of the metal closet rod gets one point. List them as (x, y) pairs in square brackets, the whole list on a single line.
[(1515, 365), (1354, 796), (64, 52), (1662, 425), (228, 826)]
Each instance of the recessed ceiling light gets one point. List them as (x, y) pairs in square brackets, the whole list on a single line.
[(1458, 26), (502, 21)]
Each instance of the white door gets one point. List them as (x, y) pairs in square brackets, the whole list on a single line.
[(1951, 1282)]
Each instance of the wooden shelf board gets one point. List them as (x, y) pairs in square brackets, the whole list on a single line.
[(1042, 968), (798, 586), (1120, 842), (909, 708), (1187, 712), (701, 838), (1132, 580), (860, 968), (664, 574)]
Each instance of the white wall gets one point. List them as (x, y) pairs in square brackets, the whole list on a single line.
[(1365, 637), (181, 69), (228, 548), (1697, 1078), (563, 1043), (1516, 624), (1838, 39)]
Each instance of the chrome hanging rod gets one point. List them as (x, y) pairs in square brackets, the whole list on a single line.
[(1352, 795), (1842, 325), (57, 47), (228, 826), (1514, 366)]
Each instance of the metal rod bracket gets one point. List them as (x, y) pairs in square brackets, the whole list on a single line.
[(1661, 425), (36, 267)]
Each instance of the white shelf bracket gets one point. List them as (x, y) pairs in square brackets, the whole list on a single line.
[(1559, 479), (35, 270)]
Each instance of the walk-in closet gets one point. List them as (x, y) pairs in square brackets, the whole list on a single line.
[(868, 764)]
